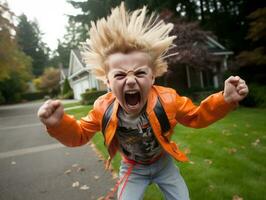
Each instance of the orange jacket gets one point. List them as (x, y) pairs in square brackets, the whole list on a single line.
[(165, 108)]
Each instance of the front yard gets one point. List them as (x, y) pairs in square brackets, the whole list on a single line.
[(227, 159)]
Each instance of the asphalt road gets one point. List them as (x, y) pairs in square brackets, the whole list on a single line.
[(34, 166)]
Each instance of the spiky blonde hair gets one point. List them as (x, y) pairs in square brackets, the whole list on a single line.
[(124, 31)]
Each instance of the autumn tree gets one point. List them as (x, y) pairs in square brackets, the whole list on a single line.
[(15, 66), (49, 81)]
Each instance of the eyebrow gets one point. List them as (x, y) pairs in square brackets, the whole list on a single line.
[(126, 71)]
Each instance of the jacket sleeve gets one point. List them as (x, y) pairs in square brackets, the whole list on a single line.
[(72, 132), (210, 110)]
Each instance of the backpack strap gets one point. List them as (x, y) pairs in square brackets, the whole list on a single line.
[(158, 110), (161, 116), (107, 116)]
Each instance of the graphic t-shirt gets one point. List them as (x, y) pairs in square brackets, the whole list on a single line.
[(136, 138)]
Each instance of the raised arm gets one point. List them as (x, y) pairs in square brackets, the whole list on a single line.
[(213, 107), (66, 128)]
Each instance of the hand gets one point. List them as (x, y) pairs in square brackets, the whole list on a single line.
[(235, 89), (51, 113)]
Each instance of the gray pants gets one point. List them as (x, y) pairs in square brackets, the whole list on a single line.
[(163, 172)]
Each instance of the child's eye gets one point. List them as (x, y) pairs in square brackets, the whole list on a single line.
[(119, 76), (140, 73)]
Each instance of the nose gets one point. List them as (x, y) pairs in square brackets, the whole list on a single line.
[(131, 80)]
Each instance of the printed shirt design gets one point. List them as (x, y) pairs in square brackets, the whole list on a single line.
[(136, 138)]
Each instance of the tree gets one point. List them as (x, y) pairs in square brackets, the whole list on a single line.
[(254, 60), (15, 66), (71, 40), (67, 92), (190, 44), (189, 51), (30, 41), (49, 81)]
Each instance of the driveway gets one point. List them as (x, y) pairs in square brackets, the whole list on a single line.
[(35, 166)]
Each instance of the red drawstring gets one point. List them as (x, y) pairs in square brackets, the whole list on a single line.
[(131, 163), (125, 176)]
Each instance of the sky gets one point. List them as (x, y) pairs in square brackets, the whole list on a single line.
[(50, 15)]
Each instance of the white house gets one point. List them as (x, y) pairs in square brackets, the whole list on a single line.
[(80, 76)]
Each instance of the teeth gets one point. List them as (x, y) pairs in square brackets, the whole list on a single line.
[(131, 92)]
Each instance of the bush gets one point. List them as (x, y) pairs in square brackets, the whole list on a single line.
[(256, 96), (33, 96), (2, 98), (197, 94), (90, 96), (68, 95)]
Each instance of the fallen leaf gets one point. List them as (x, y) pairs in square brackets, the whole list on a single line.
[(75, 165), (187, 151), (96, 177), (256, 142), (67, 171), (236, 197), (211, 187), (13, 163), (80, 169), (208, 161), (101, 198), (226, 132), (84, 187), (115, 175), (75, 184), (209, 141), (231, 150)]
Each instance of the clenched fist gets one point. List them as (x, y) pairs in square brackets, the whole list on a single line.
[(235, 89), (51, 113)]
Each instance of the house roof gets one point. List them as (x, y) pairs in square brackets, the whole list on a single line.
[(76, 65), (78, 54), (64, 72), (216, 48)]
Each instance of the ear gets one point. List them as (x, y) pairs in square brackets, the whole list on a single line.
[(153, 79)]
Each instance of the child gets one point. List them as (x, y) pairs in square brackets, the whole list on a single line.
[(137, 118)]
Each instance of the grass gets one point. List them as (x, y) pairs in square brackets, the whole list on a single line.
[(226, 159), (67, 105)]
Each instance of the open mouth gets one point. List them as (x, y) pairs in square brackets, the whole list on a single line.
[(132, 98)]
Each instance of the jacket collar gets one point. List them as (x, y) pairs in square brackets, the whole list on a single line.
[(112, 124)]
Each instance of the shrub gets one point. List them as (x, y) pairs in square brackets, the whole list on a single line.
[(30, 96), (2, 98), (90, 96), (68, 95), (256, 96)]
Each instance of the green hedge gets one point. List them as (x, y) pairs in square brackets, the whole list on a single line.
[(90, 96), (256, 96), (30, 96)]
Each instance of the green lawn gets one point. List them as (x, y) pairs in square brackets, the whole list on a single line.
[(68, 105), (227, 158)]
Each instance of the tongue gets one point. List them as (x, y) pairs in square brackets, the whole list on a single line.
[(132, 99)]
